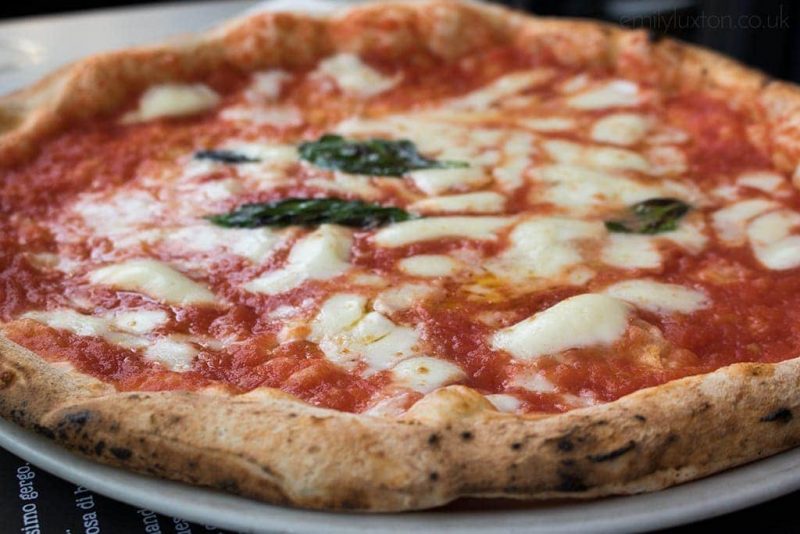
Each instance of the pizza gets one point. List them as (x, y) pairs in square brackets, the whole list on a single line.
[(405, 253)]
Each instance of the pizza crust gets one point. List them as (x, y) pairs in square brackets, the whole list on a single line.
[(271, 446)]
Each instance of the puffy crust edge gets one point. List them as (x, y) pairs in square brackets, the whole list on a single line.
[(271, 446)]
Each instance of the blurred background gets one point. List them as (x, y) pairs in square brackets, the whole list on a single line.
[(36, 37)]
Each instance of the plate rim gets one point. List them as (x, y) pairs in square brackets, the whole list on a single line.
[(752, 484)]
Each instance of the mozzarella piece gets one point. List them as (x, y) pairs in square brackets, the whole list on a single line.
[(548, 124), (321, 255), (154, 279), (772, 241), (438, 181), (172, 353), (595, 156), (337, 314), (659, 297), (374, 340), (267, 85), (769, 182), (139, 321), (354, 76), (120, 217), (620, 129), (429, 265), (481, 202), (502, 88), (581, 321), (532, 381), (255, 244), (85, 325), (504, 403), (425, 374), (279, 117), (628, 251), (616, 93), (404, 233), (173, 100), (546, 247), (731, 221), (402, 297), (577, 189)]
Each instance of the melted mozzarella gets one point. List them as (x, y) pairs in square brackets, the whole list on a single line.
[(629, 251), (425, 374), (620, 129), (374, 340), (595, 156), (173, 100), (172, 353), (659, 297), (438, 181), (280, 117), (86, 325), (404, 233), (548, 124), (337, 314), (731, 221), (504, 403), (501, 88), (402, 297), (577, 189), (154, 279), (481, 202), (321, 255), (255, 244), (354, 76), (429, 265), (769, 182), (139, 321), (616, 93), (267, 85), (545, 247), (772, 241), (581, 321)]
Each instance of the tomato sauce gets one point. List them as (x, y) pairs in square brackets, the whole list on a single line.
[(753, 317)]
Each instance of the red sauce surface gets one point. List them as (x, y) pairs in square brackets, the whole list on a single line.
[(753, 317)]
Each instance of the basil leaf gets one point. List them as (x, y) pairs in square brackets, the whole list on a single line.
[(224, 156), (310, 212), (651, 216), (377, 157)]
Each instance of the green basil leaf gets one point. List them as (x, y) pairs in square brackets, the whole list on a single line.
[(651, 216), (376, 157), (310, 212), (224, 156)]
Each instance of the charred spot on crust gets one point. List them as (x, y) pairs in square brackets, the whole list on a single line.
[(6, 379), (434, 476), (121, 453), (612, 455), (781, 415), (229, 485), (516, 446), (467, 435), (433, 440), (46, 432), (640, 417), (77, 419), (571, 482), (99, 447), (655, 36), (565, 444)]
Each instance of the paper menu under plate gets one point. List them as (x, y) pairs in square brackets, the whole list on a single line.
[(34, 502)]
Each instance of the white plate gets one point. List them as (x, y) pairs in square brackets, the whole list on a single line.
[(726, 492)]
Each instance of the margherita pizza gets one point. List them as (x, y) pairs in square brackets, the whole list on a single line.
[(403, 254)]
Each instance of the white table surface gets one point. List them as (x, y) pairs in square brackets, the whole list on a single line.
[(33, 46)]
